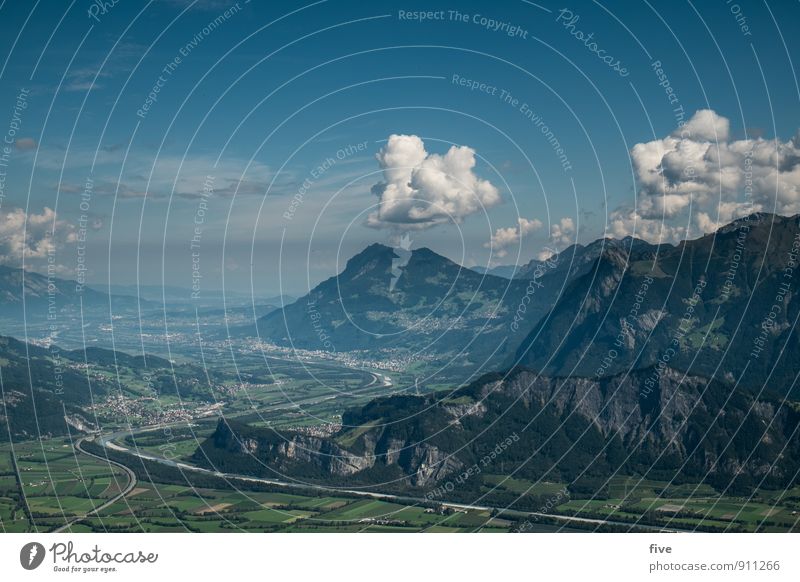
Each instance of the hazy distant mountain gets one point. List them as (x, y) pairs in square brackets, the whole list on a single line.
[(419, 300), (16, 283), (574, 260), (410, 299), (183, 295), (43, 294), (505, 271), (701, 306)]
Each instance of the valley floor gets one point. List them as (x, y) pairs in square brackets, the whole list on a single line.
[(53, 484)]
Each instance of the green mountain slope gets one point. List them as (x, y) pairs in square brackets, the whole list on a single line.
[(723, 305)]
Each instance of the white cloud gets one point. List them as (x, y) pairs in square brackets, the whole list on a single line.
[(503, 238), (85, 79), (698, 169), (624, 223), (562, 233), (421, 190), (705, 125), (32, 235)]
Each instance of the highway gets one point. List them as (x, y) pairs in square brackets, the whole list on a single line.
[(128, 488), (107, 441)]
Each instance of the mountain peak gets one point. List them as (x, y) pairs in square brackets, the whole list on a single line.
[(425, 252), (374, 252), (381, 254), (756, 218)]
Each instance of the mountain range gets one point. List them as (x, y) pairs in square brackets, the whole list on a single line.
[(422, 302), (724, 305), (673, 362), (682, 429), (414, 300), (41, 295)]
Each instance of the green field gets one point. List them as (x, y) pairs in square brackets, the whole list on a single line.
[(56, 486), (690, 506), (50, 485)]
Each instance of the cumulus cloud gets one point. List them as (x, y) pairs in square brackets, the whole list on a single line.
[(705, 125), (629, 222), (562, 233), (698, 178), (503, 238), (32, 235), (420, 190)]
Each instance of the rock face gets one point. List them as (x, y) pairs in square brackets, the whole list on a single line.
[(294, 448), (723, 303), (577, 260), (291, 453), (652, 361), (655, 421)]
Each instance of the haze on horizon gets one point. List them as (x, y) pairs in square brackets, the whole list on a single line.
[(287, 157)]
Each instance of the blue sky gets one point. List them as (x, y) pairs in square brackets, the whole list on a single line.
[(263, 94)]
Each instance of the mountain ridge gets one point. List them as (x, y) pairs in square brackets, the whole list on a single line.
[(561, 428), (720, 285)]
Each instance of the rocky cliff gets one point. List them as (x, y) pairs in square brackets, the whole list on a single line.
[(655, 421)]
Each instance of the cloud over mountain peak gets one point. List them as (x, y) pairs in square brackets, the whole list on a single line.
[(420, 190)]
